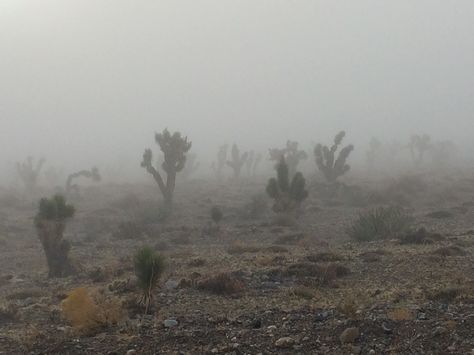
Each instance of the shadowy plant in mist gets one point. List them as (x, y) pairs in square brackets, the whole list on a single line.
[(149, 266), (419, 145), (29, 173), (238, 160), (287, 195), (50, 223), (174, 148), (292, 156), (221, 160), (326, 160), (73, 189)]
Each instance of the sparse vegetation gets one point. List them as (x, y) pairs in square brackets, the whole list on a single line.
[(50, 223), (29, 172), (73, 189), (222, 284), (380, 223), (291, 154), (330, 166), (174, 148)]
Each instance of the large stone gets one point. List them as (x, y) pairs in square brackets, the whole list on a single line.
[(285, 342)]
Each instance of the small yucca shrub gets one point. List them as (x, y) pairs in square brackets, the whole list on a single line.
[(380, 223), (149, 266)]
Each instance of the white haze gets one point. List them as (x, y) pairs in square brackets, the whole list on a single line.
[(88, 82)]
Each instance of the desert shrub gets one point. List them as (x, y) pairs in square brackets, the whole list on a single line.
[(440, 214), (149, 266), (276, 249), (372, 256), (452, 250), (289, 239), (324, 274), (198, 262), (380, 223), (304, 292), (88, 313), (8, 313), (446, 295), (50, 223), (323, 257), (222, 284), (420, 236)]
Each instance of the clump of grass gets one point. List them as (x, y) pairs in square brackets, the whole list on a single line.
[(380, 223), (241, 248), (222, 284), (149, 266)]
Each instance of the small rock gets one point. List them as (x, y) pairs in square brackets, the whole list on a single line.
[(131, 352), (372, 352), (169, 323), (349, 335), (171, 284), (285, 342), (271, 327), (439, 331), (356, 350)]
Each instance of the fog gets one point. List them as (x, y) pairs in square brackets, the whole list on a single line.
[(87, 83)]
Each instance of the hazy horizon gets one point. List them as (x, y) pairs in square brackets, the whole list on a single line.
[(88, 83)]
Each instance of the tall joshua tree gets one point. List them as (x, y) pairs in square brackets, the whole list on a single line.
[(92, 174), (419, 145), (292, 155), (29, 172), (326, 160), (238, 160), (288, 194), (174, 148), (50, 223)]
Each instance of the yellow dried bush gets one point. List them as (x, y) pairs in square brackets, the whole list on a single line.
[(89, 311)]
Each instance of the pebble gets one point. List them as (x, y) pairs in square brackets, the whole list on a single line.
[(349, 335), (285, 342), (169, 323), (131, 352)]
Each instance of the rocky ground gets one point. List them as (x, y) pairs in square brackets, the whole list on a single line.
[(299, 289)]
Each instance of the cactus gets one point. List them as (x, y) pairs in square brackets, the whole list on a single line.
[(326, 161), (288, 195), (419, 145), (238, 160), (191, 166), (50, 223), (174, 148), (29, 172), (292, 155), (92, 174)]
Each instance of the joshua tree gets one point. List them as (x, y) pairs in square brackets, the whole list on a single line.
[(238, 160), (50, 223), (191, 166), (149, 266), (419, 145), (29, 172), (326, 160), (174, 148), (291, 154), (287, 195), (92, 174)]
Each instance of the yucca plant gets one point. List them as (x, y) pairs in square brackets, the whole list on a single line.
[(380, 223), (50, 222), (149, 266)]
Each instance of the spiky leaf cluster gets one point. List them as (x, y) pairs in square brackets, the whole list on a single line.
[(149, 266), (54, 209), (326, 160)]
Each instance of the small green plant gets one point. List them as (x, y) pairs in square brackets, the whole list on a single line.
[(149, 266), (380, 223), (73, 189), (174, 148), (238, 160), (287, 196), (326, 160), (50, 223)]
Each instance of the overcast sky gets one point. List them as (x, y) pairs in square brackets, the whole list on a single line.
[(89, 81)]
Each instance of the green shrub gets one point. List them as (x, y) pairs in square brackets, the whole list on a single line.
[(380, 223)]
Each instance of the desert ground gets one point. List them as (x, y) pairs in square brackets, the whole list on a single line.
[(249, 284)]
